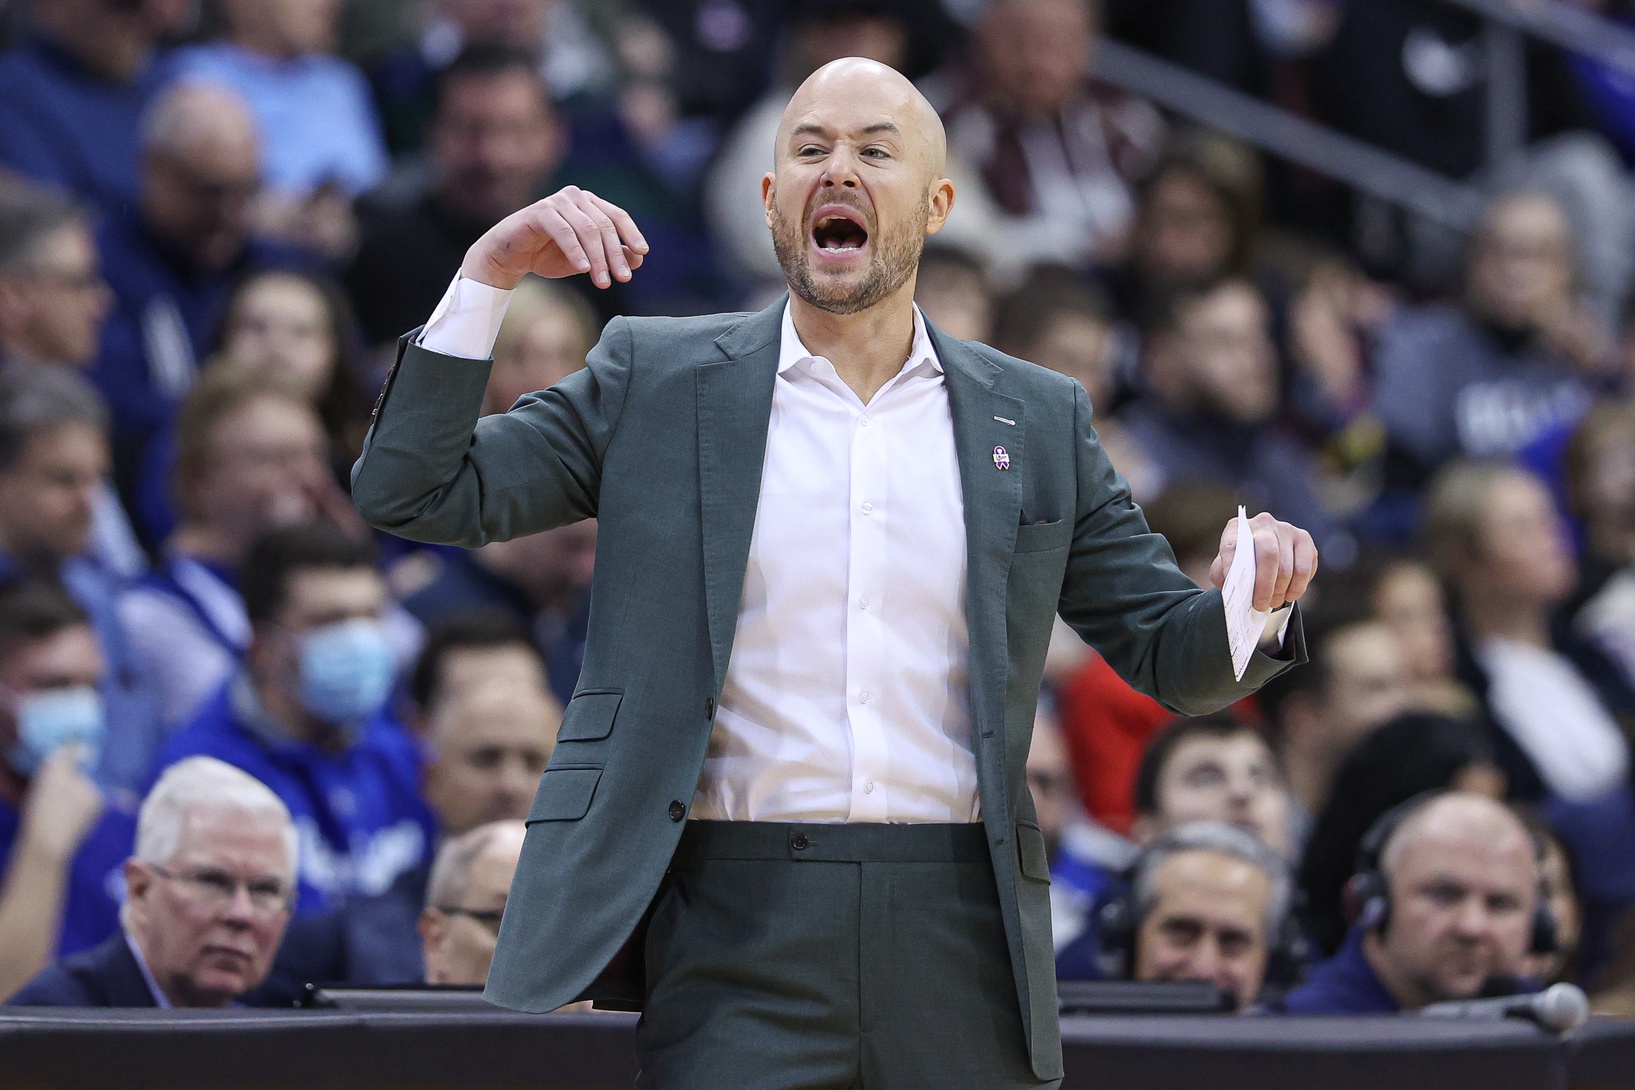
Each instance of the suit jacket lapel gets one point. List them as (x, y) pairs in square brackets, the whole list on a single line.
[(734, 411), (989, 433)]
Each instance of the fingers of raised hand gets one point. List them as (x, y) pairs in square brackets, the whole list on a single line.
[(1228, 550), (634, 242), (1285, 562), (551, 220)]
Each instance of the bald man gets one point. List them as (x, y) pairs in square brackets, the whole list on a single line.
[(173, 258), (786, 814), (1459, 884)]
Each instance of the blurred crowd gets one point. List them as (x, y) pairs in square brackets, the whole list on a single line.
[(247, 744)]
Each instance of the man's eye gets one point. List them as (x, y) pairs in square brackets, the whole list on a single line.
[(878, 153), (217, 882)]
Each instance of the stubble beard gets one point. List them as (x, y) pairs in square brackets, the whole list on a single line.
[(894, 258)]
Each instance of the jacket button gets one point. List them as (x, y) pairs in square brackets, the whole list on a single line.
[(709, 708), (799, 843), (677, 811)]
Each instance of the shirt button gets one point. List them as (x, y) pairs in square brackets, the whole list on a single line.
[(868, 788), (863, 604), (864, 421), (868, 508), (862, 698), (677, 811)]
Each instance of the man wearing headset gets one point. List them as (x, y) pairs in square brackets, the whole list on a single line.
[(1206, 901), (1449, 909)]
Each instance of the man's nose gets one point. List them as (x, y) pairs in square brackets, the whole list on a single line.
[(841, 169), (1206, 959)]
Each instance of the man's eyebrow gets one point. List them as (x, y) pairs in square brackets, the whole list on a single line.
[(811, 128)]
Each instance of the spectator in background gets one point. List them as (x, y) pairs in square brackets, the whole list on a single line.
[(1208, 902), (467, 649), (496, 142), (465, 900), (307, 714), (1408, 599), (53, 302), (1449, 894), (298, 328), (1057, 152), (277, 54), (53, 470), (1211, 768), (250, 458), (1109, 725), (1212, 406), (1514, 361), (1357, 679), (1494, 534), (542, 580), (1559, 891), (71, 96), (489, 742), (1406, 757), (1600, 469), (189, 937), (62, 841), (172, 262), (820, 31), (547, 333), (952, 289)]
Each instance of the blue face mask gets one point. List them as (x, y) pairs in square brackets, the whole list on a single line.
[(52, 718), (347, 670)]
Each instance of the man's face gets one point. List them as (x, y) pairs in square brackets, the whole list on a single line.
[(1036, 52), (1525, 553), (492, 741), (270, 461), (547, 348), (54, 307), (1078, 346), (1522, 264), (497, 141), (458, 947), (1184, 235), (1226, 356), (70, 658), (199, 201), (210, 923), (1462, 904), (47, 498), (854, 192), (1208, 922), (280, 325), (1369, 683), (1230, 778), (315, 598)]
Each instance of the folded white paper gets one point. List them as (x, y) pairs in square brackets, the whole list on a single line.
[(1244, 623)]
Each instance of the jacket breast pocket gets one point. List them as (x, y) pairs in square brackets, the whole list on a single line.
[(564, 794), (1039, 537), (589, 715)]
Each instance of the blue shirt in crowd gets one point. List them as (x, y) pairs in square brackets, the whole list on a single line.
[(357, 811), (287, 97), (63, 124), (1344, 984), (96, 878)]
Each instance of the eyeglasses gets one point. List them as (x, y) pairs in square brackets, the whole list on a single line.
[(218, 888), (489, 918)]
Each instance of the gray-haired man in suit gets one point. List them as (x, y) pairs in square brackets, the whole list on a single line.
[(832, 541)]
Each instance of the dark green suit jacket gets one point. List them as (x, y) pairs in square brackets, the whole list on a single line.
[(662, 438)]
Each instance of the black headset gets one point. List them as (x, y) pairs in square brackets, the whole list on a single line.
[(1370, 891), (1118, 928)]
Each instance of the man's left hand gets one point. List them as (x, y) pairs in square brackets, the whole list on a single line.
[(1285, 560)]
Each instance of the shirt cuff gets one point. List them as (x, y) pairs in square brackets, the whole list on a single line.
[(1277, 626), (467, 321)]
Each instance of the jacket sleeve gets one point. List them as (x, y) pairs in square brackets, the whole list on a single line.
[(432, 471), (1125, 596)]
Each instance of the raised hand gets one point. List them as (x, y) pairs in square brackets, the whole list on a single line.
[(62, 805), (1285, 560), (572, 231)]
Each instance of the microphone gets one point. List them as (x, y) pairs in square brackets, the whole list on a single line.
[(1560, 1007)]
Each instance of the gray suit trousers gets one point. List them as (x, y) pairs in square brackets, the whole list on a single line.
[(830, 957)]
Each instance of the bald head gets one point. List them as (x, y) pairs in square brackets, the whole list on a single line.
[(1459, 818), (193, 118), (897, 101), (201, 167)]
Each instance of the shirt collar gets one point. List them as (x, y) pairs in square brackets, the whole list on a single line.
[(160, 999), (791, 351)]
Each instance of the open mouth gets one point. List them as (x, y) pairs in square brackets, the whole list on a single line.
[(839, 232)]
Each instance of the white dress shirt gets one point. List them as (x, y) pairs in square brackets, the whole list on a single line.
[(845, 700)]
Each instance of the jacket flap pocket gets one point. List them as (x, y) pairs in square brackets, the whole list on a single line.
[(564, 794), (589, 716), (1038, 537), (1030, 850)]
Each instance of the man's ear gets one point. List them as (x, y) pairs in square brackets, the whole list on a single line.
[(941, 204), (769, 194), (138, 881)]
